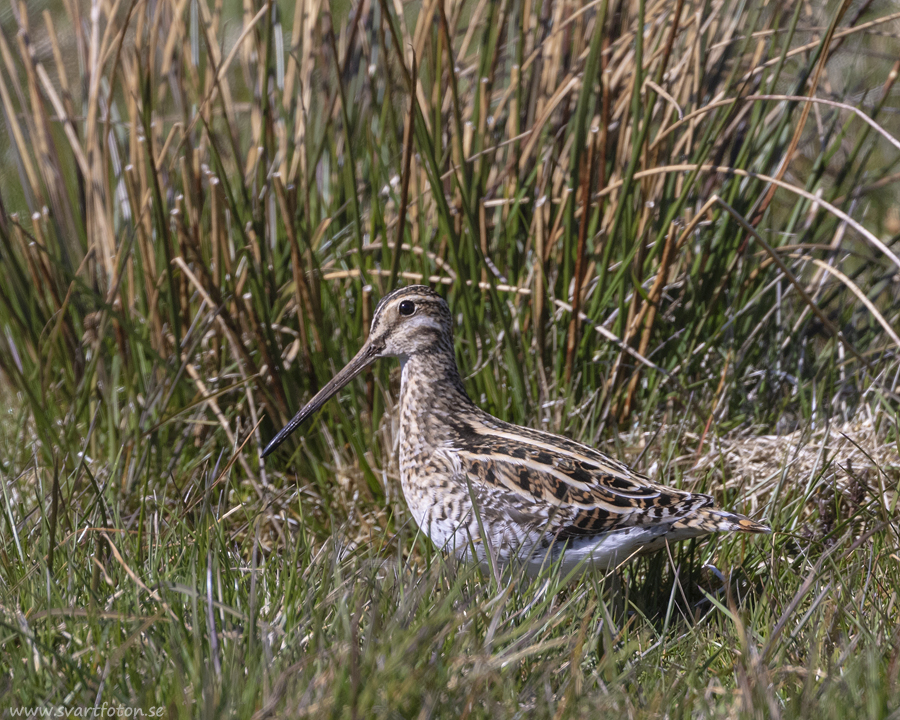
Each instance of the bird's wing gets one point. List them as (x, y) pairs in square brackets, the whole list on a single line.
[(580, 490)]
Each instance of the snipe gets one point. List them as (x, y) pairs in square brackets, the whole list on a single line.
[(477, 484)]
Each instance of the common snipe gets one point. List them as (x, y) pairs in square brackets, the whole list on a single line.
[(534, 495)]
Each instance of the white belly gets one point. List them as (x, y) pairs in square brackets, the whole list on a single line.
[(608, 551)]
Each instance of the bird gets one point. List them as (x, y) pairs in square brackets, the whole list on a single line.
[(489, 491)]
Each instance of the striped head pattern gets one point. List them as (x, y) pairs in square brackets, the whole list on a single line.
[(410, 321)]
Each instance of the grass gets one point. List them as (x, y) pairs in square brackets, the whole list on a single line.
[(666, 229)]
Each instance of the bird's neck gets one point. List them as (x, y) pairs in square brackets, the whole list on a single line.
[(430, 382)]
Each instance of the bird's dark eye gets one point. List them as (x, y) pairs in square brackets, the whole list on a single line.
[(407, 307)]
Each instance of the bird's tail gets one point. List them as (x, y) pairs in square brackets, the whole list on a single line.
[(707, 520)]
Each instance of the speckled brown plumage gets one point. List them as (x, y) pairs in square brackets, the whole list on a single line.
[(477, 485)]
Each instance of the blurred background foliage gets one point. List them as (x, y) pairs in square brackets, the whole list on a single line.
[(204, 203)]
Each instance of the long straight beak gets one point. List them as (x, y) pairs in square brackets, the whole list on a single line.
[(365, 357)]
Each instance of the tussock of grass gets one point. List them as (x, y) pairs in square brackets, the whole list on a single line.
[(667, 229)]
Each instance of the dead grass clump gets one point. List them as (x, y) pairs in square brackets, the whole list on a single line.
[(832, 472)]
